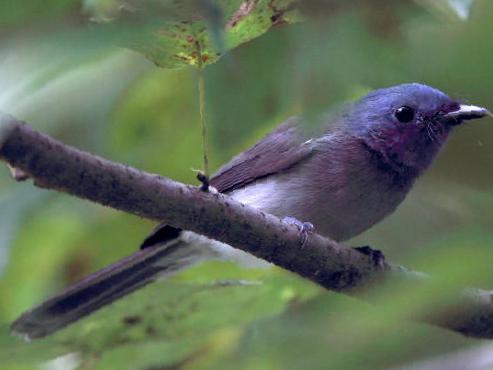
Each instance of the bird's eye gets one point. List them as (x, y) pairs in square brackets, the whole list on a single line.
[(404, 114)]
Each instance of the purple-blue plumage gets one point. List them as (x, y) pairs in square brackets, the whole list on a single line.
[(358, 170), (411, 144)]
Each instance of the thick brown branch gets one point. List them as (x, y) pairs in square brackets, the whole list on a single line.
[(54, 165)]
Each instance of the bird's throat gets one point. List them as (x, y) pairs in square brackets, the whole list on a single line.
[(392, 167)]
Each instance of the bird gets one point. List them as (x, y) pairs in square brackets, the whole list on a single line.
[(339, 179)]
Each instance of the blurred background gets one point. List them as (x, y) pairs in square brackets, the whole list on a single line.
[(65, 69)]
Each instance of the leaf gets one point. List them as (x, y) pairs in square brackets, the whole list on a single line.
[(14, 352), (170, 322), (178, 33)]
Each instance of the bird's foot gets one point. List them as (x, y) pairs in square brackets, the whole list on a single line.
[(204, 180), (205, 183), (305, 228), (376, 256)]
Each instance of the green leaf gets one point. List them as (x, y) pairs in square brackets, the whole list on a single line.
[(14, 352), (195, 32), (170, 322)]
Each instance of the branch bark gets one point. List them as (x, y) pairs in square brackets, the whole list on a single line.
[(332, 265)]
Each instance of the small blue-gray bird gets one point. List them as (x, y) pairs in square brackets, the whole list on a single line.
[(343, 179)]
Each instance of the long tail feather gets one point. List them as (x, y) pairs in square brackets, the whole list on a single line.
[(104, 287)]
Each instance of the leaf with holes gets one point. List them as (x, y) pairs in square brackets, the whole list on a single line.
[(193, 32)]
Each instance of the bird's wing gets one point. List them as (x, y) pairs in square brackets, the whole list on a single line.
[(278, 151)]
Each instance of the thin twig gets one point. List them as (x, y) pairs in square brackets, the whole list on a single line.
[(203, 122)]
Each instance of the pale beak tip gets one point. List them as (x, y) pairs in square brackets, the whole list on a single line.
[(468, 112)]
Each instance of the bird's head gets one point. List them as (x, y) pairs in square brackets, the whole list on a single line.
[(407, 124)]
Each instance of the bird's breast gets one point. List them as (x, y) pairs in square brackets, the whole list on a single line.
[(340, 198)]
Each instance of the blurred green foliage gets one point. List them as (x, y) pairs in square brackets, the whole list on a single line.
[(65, 76)]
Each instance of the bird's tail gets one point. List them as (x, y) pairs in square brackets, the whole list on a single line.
[(105, 286)]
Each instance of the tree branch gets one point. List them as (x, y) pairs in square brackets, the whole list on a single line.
[(334, 266)]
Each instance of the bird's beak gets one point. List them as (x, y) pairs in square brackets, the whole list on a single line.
[(466, 112)]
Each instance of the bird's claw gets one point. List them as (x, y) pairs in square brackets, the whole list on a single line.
[(376, 256), (204, 180), (305, 228), (206, 186), (17, 174)]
